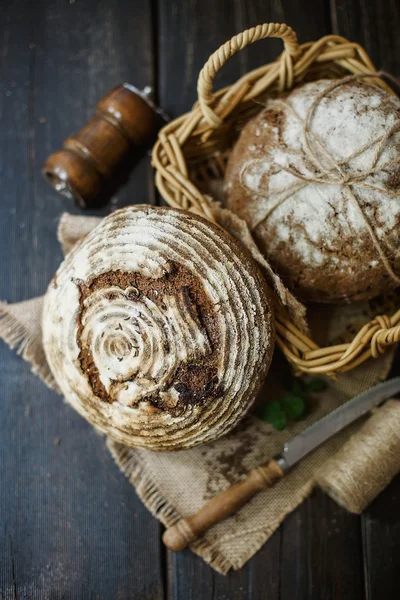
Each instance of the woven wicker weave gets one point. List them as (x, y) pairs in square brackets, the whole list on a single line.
[(194, 148)]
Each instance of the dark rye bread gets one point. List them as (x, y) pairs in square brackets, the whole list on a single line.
[(316, 238), (159, 329), (196, 381)]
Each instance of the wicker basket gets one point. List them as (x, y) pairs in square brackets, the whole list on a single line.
[(194, 148)]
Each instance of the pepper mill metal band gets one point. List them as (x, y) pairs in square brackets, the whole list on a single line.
[(94, 162)]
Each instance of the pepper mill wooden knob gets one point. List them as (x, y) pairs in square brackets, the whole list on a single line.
[(93, 163)]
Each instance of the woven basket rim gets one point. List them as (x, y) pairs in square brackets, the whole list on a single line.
[(192, 139)]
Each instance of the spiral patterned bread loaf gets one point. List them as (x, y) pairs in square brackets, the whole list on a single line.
[(158, 328)]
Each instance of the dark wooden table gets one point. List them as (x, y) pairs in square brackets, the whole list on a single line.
[(70, 525)]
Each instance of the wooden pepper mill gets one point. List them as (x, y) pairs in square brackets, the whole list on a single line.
[(94, 162)]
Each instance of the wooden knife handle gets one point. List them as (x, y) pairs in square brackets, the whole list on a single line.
[(222, 506)]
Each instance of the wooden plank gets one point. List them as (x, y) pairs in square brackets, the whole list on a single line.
[(291, 559), (381, 536), (72, 526), (321, 552), (375, 26), (190, 578), (188, 34)]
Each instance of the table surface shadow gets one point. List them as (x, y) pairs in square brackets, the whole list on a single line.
[(71, 526)]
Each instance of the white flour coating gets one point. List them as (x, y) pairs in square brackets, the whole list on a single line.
[(137, 345), (119, 330), (343, 122)]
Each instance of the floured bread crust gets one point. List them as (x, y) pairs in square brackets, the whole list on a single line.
[(316, 237), (158, 328)]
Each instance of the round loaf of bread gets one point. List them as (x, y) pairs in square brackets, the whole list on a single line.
[(316, 175), (158, 328)]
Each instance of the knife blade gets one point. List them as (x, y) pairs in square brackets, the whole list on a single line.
[(318, 433), (228, 502)]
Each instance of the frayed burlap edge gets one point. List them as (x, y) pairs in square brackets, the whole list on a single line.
[(160, 508), (73, 228), (27, 343), (129, 464)]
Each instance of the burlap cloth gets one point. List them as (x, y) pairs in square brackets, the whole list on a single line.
[(353, 467)]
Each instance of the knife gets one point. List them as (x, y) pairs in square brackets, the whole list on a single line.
[(228, 502)]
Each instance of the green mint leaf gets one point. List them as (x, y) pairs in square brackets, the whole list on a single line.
[(272, 413), (270, 409), (294, 406), (316, 385), (279, 422), (296, 388)]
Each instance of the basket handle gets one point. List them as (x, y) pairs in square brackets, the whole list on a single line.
[(224, 52)]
